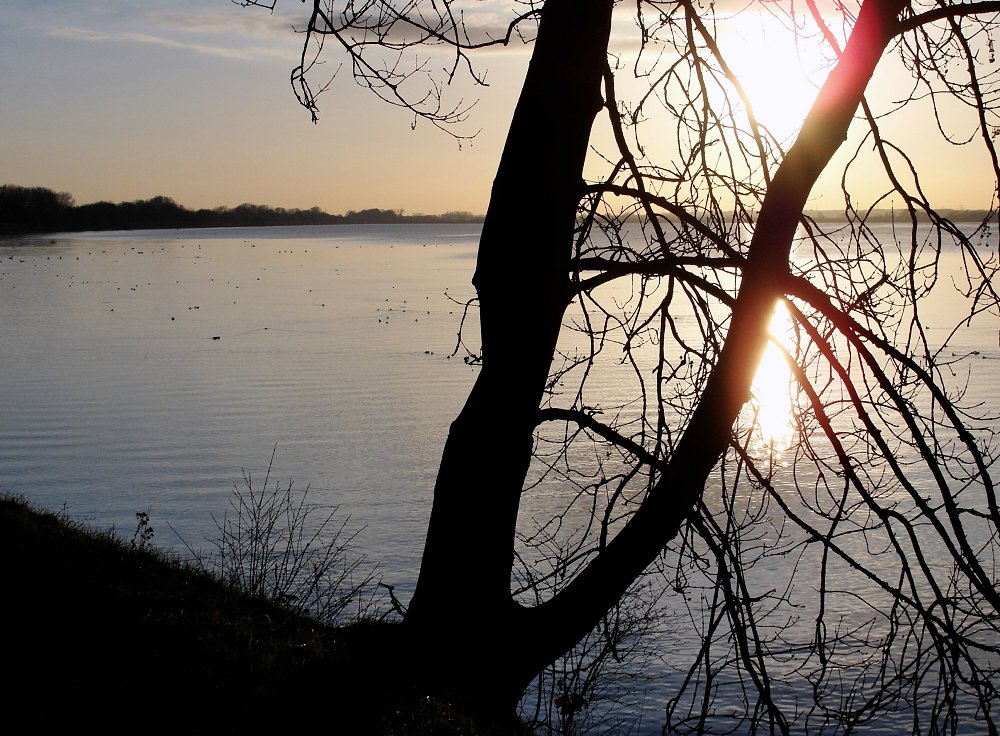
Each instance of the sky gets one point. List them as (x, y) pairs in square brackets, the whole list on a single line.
[(125, 99), (121, 100)]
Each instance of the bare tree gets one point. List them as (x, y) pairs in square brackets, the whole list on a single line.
[(613, 432)]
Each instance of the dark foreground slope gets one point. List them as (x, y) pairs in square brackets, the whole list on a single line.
[(96, 633)]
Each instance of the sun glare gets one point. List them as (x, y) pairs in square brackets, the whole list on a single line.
[(779, 70), (772, 384)]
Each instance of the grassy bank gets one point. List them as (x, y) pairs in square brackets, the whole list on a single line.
[(99, 631)]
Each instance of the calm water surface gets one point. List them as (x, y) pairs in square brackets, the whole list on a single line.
[(146, 371), (143, 371)]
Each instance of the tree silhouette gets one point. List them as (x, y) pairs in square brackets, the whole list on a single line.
[(613, 433), (31, 207)]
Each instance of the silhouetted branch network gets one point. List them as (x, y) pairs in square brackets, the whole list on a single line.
[(886, 495), (846, 572), (398, 50)]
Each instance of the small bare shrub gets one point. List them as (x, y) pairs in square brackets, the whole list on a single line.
[(144, 533), (272, 544)]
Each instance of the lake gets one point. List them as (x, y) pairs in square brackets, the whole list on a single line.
[(148, 371), (144, 371)]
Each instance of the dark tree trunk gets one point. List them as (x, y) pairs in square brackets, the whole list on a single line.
[(462, 608)]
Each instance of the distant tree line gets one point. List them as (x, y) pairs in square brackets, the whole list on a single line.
[(38, 209), (41, 210), (900, 215)]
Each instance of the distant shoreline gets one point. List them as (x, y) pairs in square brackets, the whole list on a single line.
[(41, 211), (38, 211), (391, 217)]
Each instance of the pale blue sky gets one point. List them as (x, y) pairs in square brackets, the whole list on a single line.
[(119, 100), (122, 99)]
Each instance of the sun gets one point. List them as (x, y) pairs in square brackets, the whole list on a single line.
[(779, 65)]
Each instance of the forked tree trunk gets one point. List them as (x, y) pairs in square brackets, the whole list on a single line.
[(473, 638)]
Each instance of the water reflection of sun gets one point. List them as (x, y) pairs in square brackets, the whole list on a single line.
[(772, 385)]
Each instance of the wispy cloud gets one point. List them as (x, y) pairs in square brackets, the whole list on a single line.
[(78, 34), (246, 22), (233, 33), (216, 50)]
